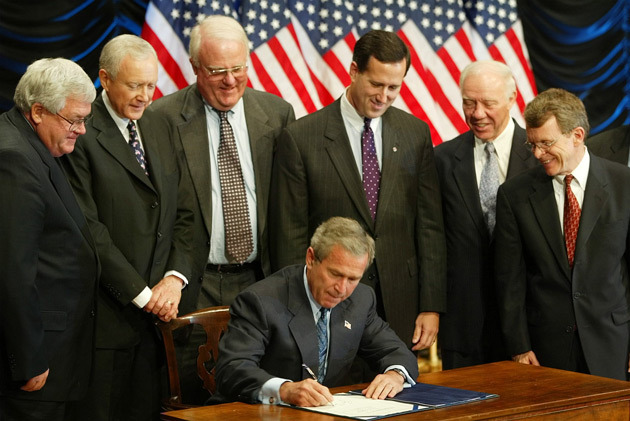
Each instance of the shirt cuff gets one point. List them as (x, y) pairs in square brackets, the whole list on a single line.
[(179, 275), (270, 391), (408, 380), (143, 298)]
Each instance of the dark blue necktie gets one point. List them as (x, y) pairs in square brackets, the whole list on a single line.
[(322, 343), (134, 142)]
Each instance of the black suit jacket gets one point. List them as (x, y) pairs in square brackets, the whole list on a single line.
[(472, 308), (49, 271), (272, 332), (141, 225), (315, 177), (185, 115), (613, 144), (544, 304)]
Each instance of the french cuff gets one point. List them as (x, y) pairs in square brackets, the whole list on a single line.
[(143, 298), (179, 275), (402, 370), (270, 391)]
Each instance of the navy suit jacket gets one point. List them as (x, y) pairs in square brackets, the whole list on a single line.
[(272, 332), (49, 271), (544, 305)]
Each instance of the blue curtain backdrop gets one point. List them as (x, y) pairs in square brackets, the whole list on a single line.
[(581, 46)]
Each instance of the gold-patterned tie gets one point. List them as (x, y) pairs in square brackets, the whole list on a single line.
[(239, 243), (572, 214)]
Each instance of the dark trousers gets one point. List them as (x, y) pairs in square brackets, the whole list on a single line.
[(127, 382), (217, 289), (14, 409)]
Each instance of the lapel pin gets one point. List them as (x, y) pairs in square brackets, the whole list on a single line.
[(347, 324), (395, 149)]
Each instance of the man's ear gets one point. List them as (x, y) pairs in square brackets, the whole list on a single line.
[(37, 110), (579, 134)]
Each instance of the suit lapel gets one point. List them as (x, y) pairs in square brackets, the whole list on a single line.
[(340, 153), (392, 154), (521, 158), (193, 133), (302, 325), (466, 180), (595, 196), (150, 145), (545, 209)]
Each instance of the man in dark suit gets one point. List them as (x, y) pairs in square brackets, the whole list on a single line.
[(389, 185), (562, 248), (47, 255), (470, 332), (296, 333), (219, 50), (613, 144), (125, 176)]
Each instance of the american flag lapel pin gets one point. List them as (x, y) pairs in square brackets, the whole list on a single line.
[(347, 324)]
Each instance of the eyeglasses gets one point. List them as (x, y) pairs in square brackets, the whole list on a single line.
[(221, 73), (75, 124), (543, 146)]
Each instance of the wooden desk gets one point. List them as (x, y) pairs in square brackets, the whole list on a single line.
[(525, 392)]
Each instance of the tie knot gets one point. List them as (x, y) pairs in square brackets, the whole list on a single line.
[(323, 312), (568, 179), (131, 126), (222, 114), (367, 122), (489, 147)]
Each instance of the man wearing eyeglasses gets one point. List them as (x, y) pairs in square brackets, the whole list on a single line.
[(48, 258), (563, 248), (470, 168), (126, 179), (225, 134)]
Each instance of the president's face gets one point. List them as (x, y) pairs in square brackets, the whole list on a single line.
[(335, 277), (375, 89)]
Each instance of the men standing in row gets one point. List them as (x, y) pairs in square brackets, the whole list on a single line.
[(362, 159), (309, 322), (225, 134), (470, 168), (563, 248), (48, 260), (126, 179)]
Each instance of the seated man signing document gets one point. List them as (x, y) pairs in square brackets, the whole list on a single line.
[(296, 333)]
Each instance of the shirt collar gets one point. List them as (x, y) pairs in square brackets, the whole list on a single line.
[(314, 305), (121, 122), (580, 173), (503, 142), (352, 117)]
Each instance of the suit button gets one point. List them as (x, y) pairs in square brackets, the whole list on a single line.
[(200, 279), (92, 313), (569, 329), (159, 235), (154, 205), (371, 277), (576, 295), (272, 400)]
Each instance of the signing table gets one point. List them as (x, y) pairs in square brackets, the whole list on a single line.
[(525, 392)]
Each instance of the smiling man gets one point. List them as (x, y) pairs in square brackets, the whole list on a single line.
[(296, 333), (126, 179), (563, 248), (470, 168), (362, 158)]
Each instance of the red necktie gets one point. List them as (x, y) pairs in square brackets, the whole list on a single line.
[(572, 214)]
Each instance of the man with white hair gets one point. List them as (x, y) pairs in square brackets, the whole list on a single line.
[(48, 260)]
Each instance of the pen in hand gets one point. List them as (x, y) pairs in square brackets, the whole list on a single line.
[(314, 377)]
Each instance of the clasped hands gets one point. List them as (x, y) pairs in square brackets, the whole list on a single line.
[(165, 297)]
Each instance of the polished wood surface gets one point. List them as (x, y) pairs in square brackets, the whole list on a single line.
[(525, 391)]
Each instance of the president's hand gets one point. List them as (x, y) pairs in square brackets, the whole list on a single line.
[(425, 333), (165, 298), (305, 393), (385, 385), (526, 358), (36, 382)]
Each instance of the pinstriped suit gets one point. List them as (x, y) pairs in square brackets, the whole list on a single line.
[(315, 177)]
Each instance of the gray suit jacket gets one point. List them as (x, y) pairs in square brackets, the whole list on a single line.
[(184, 112), (272, 332), (315, 177), (544, 304), (472, 308), (613, 144), (49, 271), (141, 225)]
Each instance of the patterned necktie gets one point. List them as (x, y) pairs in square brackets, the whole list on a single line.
[(322, 343), (239, 243), (134, 142), (488, 186), (371, 172), (572, 214)]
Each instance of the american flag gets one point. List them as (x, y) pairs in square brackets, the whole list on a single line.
[(301, 50)]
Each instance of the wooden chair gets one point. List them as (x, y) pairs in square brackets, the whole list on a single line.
[(214, 321)]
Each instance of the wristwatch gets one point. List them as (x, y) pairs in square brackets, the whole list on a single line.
[(399, 371)]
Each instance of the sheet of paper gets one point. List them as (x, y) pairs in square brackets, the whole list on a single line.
[(360, 407)]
